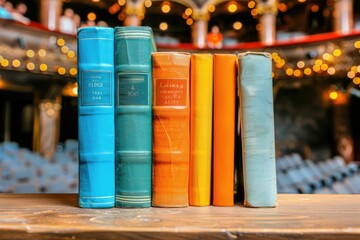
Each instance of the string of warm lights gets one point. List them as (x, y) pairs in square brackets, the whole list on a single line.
[(36, 60), (166, 7), (354, 72), (69, 53), (324, 64)]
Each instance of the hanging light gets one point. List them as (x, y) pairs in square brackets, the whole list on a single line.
[(73, 71), (30, 66), (282, 7), (148, 3), (163, 26), (211, 8), (61, 70), (356, 80), (297, 73), (42, 52), (333, 95), (91, 16), (43, 67), (337, 52), (114, 8), (351, 75), (232, 7), (300, 64), (16, 63), (307, 71), (331, 70), (251, 4), (237, 25), (315, 8), (289, 71), (30, 53), (60, 42), (165, 7)]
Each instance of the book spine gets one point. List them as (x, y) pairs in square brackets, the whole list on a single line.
[(171, 132), (133, 116), (224, 129), (96, 117), (201, 94), (257, 129)]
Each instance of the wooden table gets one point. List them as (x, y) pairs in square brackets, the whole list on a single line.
[(57, 216)]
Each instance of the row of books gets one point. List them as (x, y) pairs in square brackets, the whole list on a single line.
[(159, 128)]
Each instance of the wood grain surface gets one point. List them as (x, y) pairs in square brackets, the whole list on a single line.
[(57, 216)]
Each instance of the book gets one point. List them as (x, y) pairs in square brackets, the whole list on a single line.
[(96, 117), (257, 129), (133, 116), (171, 131), (239, 179), (224, 129), (201, 95)]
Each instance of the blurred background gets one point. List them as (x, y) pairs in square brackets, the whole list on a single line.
[(315, 48)]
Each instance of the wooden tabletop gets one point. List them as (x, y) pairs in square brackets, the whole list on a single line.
[(57, 216)]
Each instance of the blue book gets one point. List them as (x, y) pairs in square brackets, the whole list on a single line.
[(257, 129), (133, 116), (96, 117)]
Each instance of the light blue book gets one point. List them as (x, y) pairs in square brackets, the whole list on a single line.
[(96, 117), (257, 129), (133, 115)]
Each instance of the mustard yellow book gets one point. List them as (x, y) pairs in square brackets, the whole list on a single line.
[(201, 93)]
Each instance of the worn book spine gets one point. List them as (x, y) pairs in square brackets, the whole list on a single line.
[(201, 95), (133, 116), (171, 132), (224, 129), (257, 129), (96, 117)]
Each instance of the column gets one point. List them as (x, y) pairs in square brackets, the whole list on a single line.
[(7, 121), (342, 128), (46, 126), (50, 11), (200, 29), (134, 14), (343, 16), (267, 20)]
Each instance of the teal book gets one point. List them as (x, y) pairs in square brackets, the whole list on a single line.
[(257, 129), (133, 116), (96, 117)]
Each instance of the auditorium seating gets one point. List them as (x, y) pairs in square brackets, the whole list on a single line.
[(296, 175), (23, 171)]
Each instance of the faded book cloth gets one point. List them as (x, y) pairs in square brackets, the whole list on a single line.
[(257, 129)]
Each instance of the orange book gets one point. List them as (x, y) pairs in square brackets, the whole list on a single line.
[(171, 130), (224, 129)]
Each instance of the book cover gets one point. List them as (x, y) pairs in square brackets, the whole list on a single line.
[(201, 95), (171, 131), (96, 117), (257, 129), (133, 116), (224, 129)]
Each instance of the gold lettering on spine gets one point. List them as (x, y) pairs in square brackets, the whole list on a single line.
[(95, 82)]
